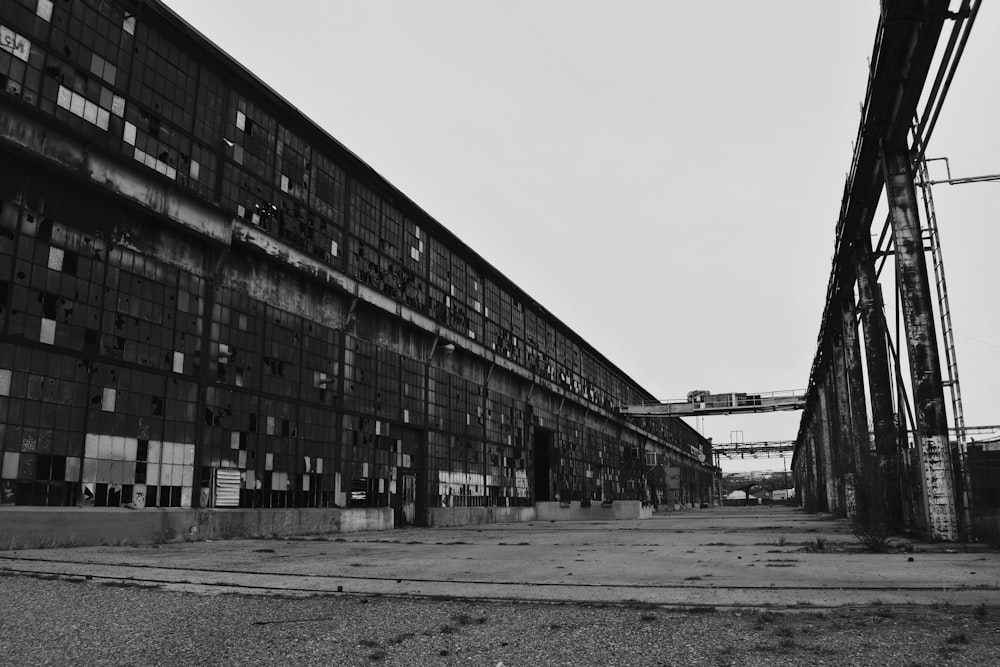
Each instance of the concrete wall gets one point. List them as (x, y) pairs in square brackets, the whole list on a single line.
[(618, 510), (57, 526), (444, 517)]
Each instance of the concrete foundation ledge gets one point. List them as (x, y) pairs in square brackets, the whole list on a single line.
[(32, 527), (619, 510), (446, 517)]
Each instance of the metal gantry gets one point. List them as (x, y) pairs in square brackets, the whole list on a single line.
[(703, 404), (839, 467)]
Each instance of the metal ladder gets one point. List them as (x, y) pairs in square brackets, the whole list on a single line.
[(930, 234)]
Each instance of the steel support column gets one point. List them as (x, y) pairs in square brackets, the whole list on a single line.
[(846, 437), (921, 339), (830, 458), (819, 498), (809, 471), (855, 380), (879, 384)]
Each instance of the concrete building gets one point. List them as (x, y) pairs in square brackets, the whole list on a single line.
[(206, 301)]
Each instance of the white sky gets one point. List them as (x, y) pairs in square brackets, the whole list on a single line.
[(664, 177)]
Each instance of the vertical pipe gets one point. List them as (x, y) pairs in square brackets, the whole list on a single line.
[(925, 369)]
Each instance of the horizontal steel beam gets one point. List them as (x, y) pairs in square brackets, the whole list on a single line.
[(718, 404)]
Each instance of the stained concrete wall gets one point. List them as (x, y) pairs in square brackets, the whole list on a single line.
[(59, 526), (616, 511), (445, 517)]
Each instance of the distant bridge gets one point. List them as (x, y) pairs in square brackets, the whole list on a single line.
[(732, 450), (703, 404)]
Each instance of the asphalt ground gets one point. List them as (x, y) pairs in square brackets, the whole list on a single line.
[(745, 557)]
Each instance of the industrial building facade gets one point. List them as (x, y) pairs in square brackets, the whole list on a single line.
[(206, 301)]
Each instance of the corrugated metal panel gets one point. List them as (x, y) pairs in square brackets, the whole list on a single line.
[(227, 487)]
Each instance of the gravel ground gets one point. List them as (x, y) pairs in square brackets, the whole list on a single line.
[(60, 621)]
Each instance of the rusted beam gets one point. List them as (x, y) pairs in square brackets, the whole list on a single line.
[(847, 446), (902, 55), (825, 431), (879, 384), (922, 351), (855, 378)]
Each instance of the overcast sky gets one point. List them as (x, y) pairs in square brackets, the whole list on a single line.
[(665, 177)]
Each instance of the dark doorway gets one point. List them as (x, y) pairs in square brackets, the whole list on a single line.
[(408, 500), (542, 446)]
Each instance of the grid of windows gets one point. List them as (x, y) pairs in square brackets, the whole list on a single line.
[(109, 340), (164, 78), (506, 457), (282, 450), (153, 99), (133, 86), (438, 390)]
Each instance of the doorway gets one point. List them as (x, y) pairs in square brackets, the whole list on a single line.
[(408, 499), (542, 451)]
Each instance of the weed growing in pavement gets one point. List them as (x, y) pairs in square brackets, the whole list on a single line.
[(57, 543), (873, 532), (12, 544), (781, 541), (981, 612), (819, 543), (17, 544), (950, 595)]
